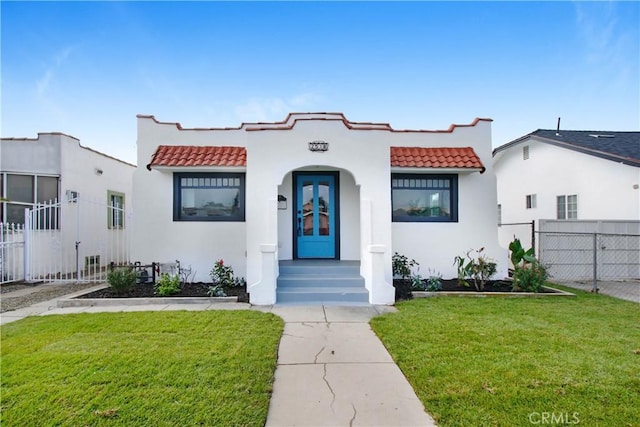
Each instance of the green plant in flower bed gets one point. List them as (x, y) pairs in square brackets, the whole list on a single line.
[(166, 368), (216, 291), (223, 275), (530, 278), (478, 268), (122, 279), (528, 274), (167, 285), (433, 281), (403, 266)]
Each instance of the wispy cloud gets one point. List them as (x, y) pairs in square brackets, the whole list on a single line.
[(273, 109), (609, 46), (44, 82)]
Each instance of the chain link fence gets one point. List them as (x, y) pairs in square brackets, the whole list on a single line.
[(576, 256), (525, 231)]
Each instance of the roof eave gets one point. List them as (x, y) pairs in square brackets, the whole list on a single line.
[(403, 169), (213, 168)]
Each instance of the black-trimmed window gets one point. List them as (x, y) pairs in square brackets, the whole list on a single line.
[(208, 197), (424, 198)]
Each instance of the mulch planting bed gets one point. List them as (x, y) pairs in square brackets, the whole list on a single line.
[(146, 290), (403, 287)]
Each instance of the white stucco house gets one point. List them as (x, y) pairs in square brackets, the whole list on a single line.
[(288, 204), (84, 193), (568, 175)]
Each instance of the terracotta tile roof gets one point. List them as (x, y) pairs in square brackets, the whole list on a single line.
[(435, 157), (189, 155), (412, 157)]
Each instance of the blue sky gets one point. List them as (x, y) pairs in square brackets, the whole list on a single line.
[(87, 68)]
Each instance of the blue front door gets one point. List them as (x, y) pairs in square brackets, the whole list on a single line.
[(315, 220)]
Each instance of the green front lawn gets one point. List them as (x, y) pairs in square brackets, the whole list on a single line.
[(172, 368), (519, 362)]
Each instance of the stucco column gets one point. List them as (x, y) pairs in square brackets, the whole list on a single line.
[(375, 255), (262, 250)]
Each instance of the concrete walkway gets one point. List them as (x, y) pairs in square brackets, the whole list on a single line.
[(332, 369)]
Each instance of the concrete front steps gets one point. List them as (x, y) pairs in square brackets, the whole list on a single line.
[(321, 282)]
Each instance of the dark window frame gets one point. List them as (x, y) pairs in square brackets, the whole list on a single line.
[(453, 197), (177, 196), (6, 203)]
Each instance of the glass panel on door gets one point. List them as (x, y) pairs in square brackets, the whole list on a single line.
[(314, 220), (308, 207)]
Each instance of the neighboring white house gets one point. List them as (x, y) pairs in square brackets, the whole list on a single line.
[(315, 186), (568, 175), (85, 193)]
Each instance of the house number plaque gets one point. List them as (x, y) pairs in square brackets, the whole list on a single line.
[(318, 146)]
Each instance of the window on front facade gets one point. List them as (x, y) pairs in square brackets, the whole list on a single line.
[(525, 152), (22, 192), (531, 201), (424, 198), (567, 207), (208, 197), (499, 214), (115, 209)]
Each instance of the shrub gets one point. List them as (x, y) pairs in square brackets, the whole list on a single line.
[(434, 281), (530, 277), (417, 283), (222, 275), (121, 280), (406, 281), (528, 274), (167, 285), (403, 266), (478, 269), (520, 256), (216, 291)]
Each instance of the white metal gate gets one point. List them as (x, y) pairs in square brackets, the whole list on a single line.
[(75, 240), (11, 253)]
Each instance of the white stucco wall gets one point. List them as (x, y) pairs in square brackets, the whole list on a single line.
[(63, 156), (156, 237), (605, 188), (30, 155), (274, 151), (435, 245)]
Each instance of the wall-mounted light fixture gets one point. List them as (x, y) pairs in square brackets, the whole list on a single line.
[(282, 202), (98, 171)]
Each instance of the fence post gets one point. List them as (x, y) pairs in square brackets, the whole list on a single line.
[(78, 238), (26, 257), (533, 235), (595, 263)]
